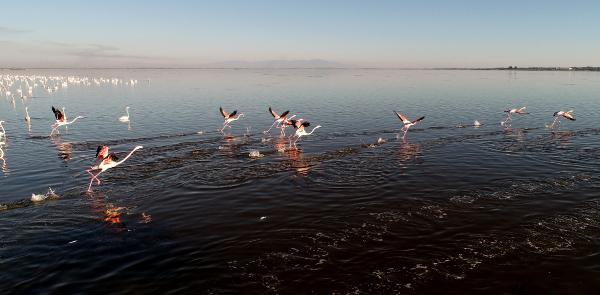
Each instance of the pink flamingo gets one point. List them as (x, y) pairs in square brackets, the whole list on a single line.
[(300, 130), (407, 123), (105, 161), (557, 115), (520, 111), (279, 121), (228, 118), (60, 121)]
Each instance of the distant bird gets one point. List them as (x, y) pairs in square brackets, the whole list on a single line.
[(27, 118), (228, 118), (279, 119), (520, 111), (557, 115), (300, 130), (125, 119), (476, 124), (60, 120), (105, 161), (407, 123)]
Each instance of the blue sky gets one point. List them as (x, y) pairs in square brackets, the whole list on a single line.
[(354, 33)]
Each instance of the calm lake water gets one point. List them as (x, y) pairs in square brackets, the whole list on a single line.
[(450, 210)]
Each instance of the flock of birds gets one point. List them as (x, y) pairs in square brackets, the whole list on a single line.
[(105, 160)]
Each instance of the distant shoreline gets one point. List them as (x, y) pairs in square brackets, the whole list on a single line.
[(587, 68)]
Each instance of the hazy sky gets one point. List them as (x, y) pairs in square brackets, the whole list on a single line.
[(356, 33)]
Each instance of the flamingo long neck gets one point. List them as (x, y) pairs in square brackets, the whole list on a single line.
[(313, 130), (127, 110), (72, 120), (127, 157)]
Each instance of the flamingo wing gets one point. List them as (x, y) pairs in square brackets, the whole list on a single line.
[(102, 151), (233, 114), (417, 120), (274, 114), (305, 124), (569, 116), (58, 114), (284, 114), (223, 113), (402, 118)]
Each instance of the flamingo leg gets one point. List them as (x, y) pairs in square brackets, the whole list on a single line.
[(268, 130), (93, 176)]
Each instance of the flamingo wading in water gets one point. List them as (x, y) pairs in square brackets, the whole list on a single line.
[(300, 130), (228, 118), (557, 115), (125, 119), (406, 123), (508, 121), (60, 121), (105, 161)]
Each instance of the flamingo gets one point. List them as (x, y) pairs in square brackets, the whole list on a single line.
[(125, 119), (520, 111), (557, 115), (300, 129), (279, 120), (228, 118), (407, 123), (105, 161), (60, 120), (27, 118)]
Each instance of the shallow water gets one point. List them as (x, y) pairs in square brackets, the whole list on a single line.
[(489, 209)]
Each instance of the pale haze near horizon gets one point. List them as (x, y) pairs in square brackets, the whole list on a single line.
[(313, 33)]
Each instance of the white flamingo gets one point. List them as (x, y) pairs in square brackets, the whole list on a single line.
[(125, 119)]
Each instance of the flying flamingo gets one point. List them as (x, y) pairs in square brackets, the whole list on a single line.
[(229, 118), (520, 111), (557, 115), (279, 120), (407, 123), (105, 161), (60, 121), (125, 119), (300, 130)]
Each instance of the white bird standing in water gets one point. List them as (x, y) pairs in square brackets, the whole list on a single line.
[(300, 130), (557, 115), (60, 121), (27, 118), (520, 111), (125, 119), (407, 123), (228, 118), (105, 161)]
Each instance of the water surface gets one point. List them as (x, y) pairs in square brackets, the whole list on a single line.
[(473, 210)]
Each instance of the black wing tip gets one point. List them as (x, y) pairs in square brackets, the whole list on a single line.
[(305, 124)]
